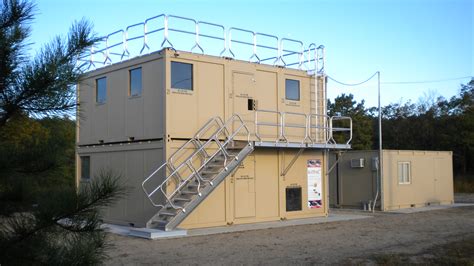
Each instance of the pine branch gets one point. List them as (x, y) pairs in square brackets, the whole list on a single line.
[(83, 215)]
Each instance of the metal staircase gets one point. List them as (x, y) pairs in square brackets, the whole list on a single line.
[(194, 170)]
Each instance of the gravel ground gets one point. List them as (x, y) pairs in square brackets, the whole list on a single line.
[(328, 243)]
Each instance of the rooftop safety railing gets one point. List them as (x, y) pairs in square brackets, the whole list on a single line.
[(170, 31)]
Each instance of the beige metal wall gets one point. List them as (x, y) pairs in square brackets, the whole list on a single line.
[(350, 187), (256, 191), (221, 87), (431, 179), (131, 163), (122, 116), (115, 122)]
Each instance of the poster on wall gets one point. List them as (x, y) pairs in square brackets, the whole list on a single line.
[(315, 188)]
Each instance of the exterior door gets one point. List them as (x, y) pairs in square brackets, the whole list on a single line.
[(243, 88), (295, 97), (244, 189)]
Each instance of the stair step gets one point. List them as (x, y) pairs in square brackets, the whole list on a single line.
[(236, 145), (191, 185), (182, 199), (168, 213), (213, 163), (210, 172), (159, 222), (187, 192)]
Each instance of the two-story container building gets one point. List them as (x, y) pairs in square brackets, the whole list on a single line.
[(207, 140)]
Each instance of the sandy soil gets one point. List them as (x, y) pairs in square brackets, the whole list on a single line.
[(306, 244)]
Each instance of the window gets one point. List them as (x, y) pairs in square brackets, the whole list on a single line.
[(404, 173), (85, 167), (292, 89), (100, 90), (181, 76), (135, 82)]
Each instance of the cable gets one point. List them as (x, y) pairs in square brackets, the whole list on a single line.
[(426, 81), (398, 82), (352, 84)]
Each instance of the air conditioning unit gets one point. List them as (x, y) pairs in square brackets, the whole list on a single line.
[(357, 163)]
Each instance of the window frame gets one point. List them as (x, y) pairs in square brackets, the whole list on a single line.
[(286, 90), (192, 76), (404, 180), (97, 90), (130, 82), (81, 161)]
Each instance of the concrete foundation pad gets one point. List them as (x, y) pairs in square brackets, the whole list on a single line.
[(430, 208), (147, 233), (155, 233), (160, 234), (274, 224)]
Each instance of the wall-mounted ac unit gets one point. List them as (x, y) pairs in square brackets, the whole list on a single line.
[(357, 163)]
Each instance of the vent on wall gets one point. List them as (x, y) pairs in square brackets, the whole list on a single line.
[(357, 163), (293, 199)]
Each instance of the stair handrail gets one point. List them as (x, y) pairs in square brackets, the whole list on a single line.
[(149, 195), (189, 160), (195, 139), (340, 129), (169, 163), (221, 146)]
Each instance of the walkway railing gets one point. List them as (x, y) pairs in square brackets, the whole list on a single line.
[(317, 129), (153, 34)]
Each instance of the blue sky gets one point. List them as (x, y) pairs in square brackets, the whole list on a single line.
[(407, 40)]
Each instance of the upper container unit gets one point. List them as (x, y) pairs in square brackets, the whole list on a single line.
[(279, 89)]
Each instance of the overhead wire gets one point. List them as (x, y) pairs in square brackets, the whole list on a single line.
[(352, 84), (397, 82), (426, 81)]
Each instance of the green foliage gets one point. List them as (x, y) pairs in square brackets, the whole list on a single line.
[(35, 154), (64, 228), (431, 124), (345, 105), (44, 85), (43, 218), (464, 184), (439, 125)]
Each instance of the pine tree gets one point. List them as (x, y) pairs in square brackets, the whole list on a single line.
[(62, 224)]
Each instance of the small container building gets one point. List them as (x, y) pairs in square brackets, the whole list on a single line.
[(205, 139), (409, 179)]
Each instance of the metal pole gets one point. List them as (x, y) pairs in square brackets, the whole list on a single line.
[(379, 178), (380, 143)]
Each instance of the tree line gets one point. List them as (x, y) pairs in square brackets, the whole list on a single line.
[(431, 124)]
